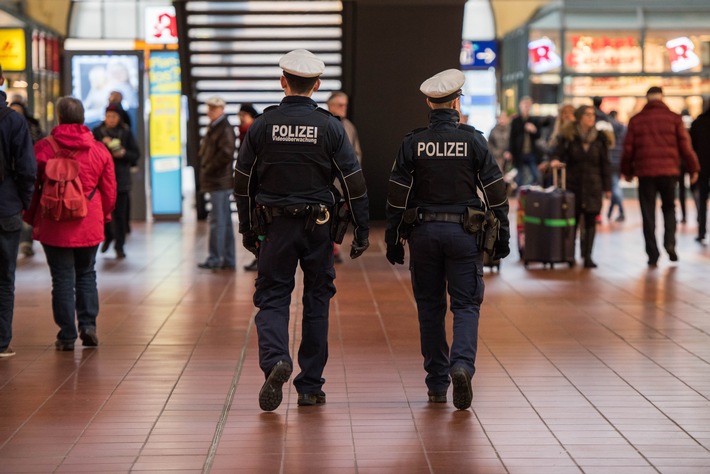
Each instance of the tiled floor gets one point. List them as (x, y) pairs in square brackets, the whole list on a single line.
[(602, 371)]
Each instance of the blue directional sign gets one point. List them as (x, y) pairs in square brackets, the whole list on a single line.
[(479, 54)]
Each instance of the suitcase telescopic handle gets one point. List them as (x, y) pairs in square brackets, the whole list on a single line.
[(559, 176)]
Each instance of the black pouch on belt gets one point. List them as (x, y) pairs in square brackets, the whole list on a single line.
[(473, 220), (411, 218)]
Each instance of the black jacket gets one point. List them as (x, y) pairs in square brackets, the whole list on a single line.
[(440, 168), (700, 135), (122, 165), (517, 137), (20, 171), (588, 172), (305, 148)]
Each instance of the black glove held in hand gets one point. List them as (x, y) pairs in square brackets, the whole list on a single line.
[(251, 242), (358, 247), (395, 253), (501, 250)]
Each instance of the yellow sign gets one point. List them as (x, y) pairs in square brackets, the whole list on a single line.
[(13, 53), (165, 125)]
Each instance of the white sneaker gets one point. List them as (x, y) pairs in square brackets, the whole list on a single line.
[(7, 352)]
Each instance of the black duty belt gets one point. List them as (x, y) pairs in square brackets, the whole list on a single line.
[(290, 211), (442, 217)]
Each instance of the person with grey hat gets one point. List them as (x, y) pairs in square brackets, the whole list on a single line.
[(656, 141), (433, 205), (283, 178), (216, 162)]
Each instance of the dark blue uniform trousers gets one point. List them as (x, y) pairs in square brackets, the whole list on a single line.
[(286, 245), (444, 257)]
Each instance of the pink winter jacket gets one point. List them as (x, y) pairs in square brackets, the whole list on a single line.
[(95, 172)]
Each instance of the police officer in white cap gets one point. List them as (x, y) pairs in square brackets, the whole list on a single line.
[(433, 204), (283, 180)]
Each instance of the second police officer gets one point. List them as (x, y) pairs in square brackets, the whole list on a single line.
[(284, 172), (433, 203)]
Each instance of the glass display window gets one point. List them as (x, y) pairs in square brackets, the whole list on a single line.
[(591, 52)]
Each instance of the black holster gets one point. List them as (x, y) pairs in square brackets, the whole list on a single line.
[(339, 222), (261, 218), (491, 230)]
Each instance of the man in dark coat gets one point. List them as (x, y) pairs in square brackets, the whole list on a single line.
[(18, 170), (524, 133), (700, 136), (216, 164), (655, 142)]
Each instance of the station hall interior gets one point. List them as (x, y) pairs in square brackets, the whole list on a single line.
[(603, 371)]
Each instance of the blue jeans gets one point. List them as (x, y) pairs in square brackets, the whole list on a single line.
[(74, 292), (221, 246), (617, 199), (527, 171), (9, 244), (443, 257)]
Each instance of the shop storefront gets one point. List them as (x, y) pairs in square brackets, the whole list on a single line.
[(573, 50), (29, 54)]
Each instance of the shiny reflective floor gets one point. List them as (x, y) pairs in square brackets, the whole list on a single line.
[(594, 371)]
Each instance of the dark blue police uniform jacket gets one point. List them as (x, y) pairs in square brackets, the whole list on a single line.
[(440, 169), (290, 156)]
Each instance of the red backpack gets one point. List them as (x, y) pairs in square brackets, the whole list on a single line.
[(62, 197)]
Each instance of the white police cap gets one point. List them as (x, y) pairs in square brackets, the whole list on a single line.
[(303, 63), (443, 87), (215, 101)]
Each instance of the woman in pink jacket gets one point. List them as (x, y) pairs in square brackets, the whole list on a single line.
[(70, 245)]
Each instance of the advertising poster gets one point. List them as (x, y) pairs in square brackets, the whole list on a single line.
[(94, 77), (165, 144)]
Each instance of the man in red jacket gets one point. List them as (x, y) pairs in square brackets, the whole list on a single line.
[(655, 143), (70, 246)]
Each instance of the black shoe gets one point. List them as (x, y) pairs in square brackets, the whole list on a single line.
[(252, 266), (228, 267), (88, 337), (120, 254), (700, 240), (672, 255), (463, 393), (653, 262), (589, 263), (105, 246), (620, 219), (207, 266), (63, 346), (270, 395), (310, 399), (436, 397)]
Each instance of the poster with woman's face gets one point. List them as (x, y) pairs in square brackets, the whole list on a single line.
[(95, 77)]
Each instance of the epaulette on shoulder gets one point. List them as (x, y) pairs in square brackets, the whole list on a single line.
[(417, 130), (469, 128), (325, 112), (271, 107)]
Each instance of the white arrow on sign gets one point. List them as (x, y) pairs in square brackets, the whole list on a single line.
[(487, 56)]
